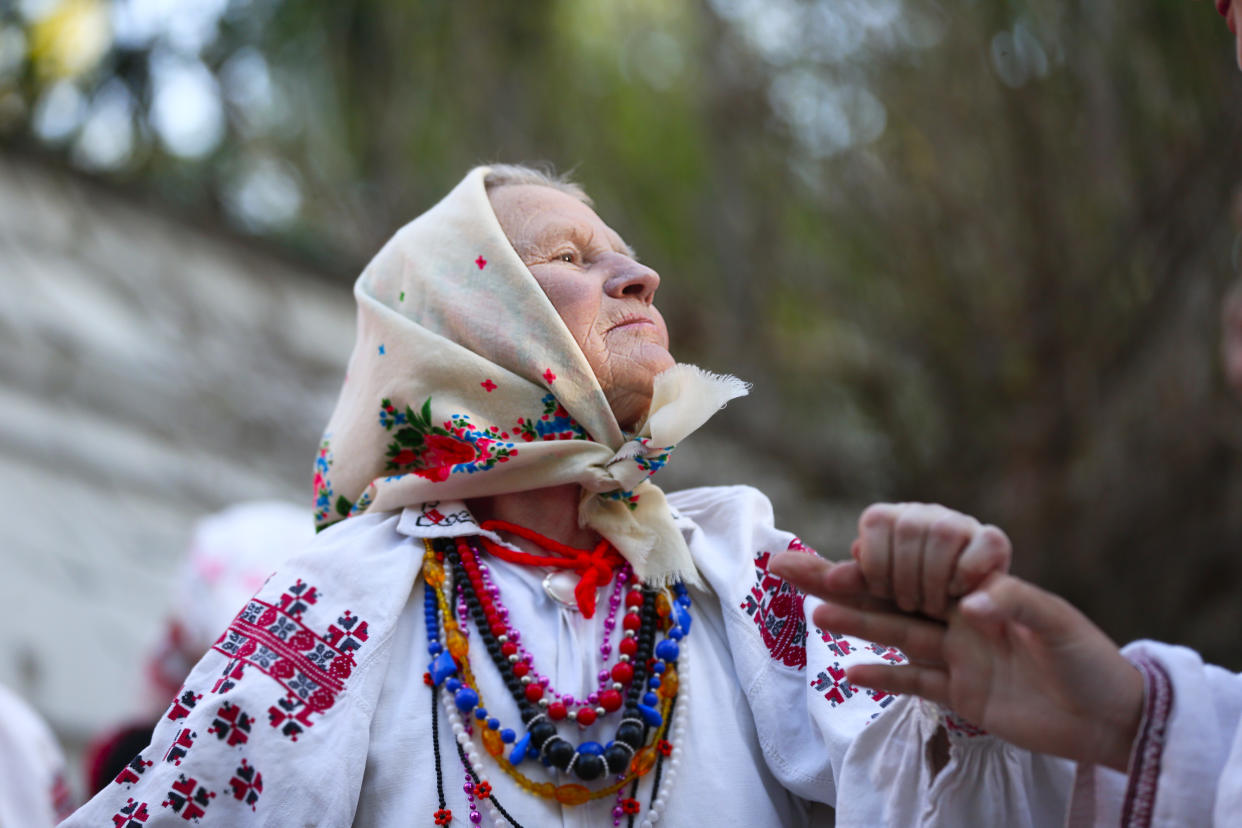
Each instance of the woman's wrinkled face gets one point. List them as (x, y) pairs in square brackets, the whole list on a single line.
[(600, 291)]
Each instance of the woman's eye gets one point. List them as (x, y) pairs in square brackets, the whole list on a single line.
[(571, 258)]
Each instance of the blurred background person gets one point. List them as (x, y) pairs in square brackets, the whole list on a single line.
[(33, 791)]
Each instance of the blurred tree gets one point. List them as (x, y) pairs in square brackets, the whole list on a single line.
[(970, 252)]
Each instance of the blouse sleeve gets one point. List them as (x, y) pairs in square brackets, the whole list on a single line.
[(1186, 763), (868, 753), (271, 726)]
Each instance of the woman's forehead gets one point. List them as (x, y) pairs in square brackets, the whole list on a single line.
[(534, 215), (554, 229)]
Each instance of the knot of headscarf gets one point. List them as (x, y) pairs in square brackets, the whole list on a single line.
[(465, 383), (594, 568)]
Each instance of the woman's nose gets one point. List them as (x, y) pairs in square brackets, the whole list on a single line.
[(632, 279)]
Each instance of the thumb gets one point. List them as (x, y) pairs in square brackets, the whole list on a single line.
[(1006, 598)]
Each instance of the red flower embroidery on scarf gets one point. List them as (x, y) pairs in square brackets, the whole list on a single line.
[(432, 451), (549, 377), (440, 454), (436, 451), (488, 385)]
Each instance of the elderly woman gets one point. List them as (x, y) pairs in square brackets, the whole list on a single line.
[(506, 620)]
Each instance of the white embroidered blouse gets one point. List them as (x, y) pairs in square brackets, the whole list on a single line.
[(1186, 763), (312, 708)]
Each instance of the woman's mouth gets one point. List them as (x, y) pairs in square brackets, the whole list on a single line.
[(631, 321)]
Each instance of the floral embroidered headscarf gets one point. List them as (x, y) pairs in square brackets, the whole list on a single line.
[(464, 382)]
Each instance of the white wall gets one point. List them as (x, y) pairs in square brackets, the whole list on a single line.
[(150, 372)]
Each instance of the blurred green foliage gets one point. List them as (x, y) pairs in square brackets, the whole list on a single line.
[(968, 251)]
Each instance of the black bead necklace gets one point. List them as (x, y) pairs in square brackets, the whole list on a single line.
[(544, 741)]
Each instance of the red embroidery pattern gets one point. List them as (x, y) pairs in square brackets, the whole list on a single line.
[(421, 447), (247, 784), (838, 644), (181, 744), (889, 654), (131, 815), (1139, 805), (882, 698), (798, 546), (311, 668), (231, 725), (837, 689), (956, 724), (183, 704), (188, 798), (832, 682), (776, 609), (131, 773)]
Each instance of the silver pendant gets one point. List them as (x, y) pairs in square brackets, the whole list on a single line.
[(560, 585)]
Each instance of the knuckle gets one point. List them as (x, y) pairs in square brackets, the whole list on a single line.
[(994, 540), (876, 576), (946, 530), (909, 526), (876, 516)]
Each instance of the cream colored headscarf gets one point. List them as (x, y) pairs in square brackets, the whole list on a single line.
[(464, 382)]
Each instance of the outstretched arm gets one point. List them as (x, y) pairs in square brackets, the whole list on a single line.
[(1016, 660)]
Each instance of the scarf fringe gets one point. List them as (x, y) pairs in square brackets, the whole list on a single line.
[(684, 397)]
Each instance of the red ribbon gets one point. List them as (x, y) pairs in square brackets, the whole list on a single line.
[(594, 568)]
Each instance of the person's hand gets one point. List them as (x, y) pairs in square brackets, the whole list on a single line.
[(921, 556), (1013, 659)]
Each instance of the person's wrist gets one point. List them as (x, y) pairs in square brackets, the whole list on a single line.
[(1126, 716)]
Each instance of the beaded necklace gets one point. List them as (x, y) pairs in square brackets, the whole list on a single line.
[(635, 650), (590, 759), (452, 570), (606, 698)]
